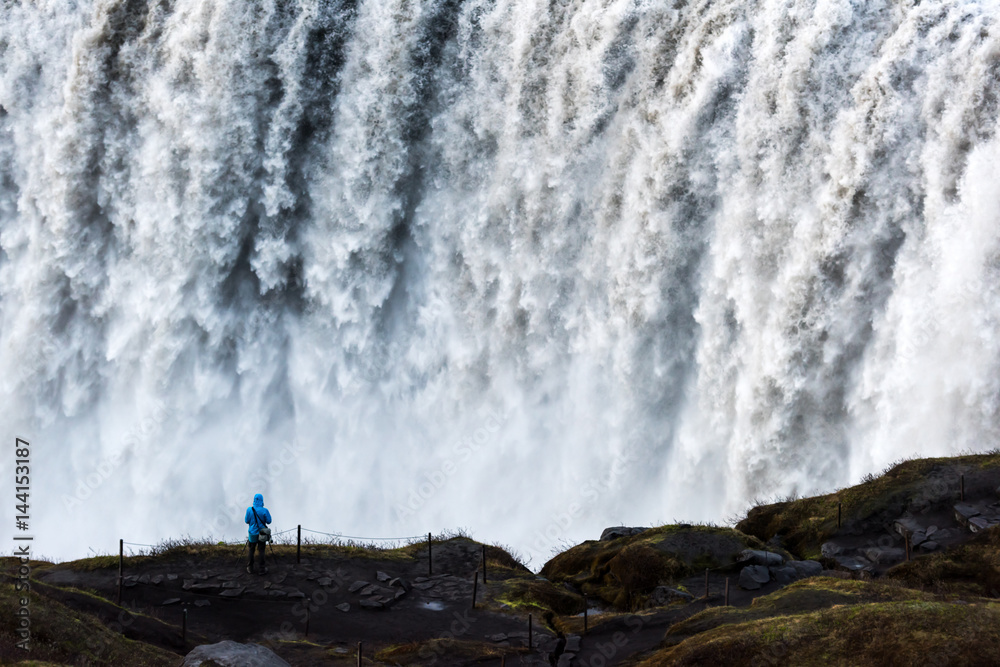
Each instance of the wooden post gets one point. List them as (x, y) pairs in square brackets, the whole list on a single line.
[(530, 631), (308, 602), (475, 587), (906, 540), (121, 567), (727, 591), (839, 507), (961, 481), (503, 661), (184, 628), (584, 616), (359, 654), (430, 556), (298, 546), (484, 563), (706, 583)]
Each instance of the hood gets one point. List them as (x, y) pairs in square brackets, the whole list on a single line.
[(258, 500)]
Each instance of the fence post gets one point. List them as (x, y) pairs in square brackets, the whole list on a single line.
[(838, 513), (308, 604), (430, 556), (727, 591), (530, 646), (706, 583), (475, 587), (121, 567), (484, 563), (359, 654), (585, 616), (962, 482), (298, 546), (184, 628)]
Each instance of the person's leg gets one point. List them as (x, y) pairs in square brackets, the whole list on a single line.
[(252, 548), (263, 565)]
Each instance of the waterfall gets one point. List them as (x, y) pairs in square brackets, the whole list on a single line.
[(529, 268)]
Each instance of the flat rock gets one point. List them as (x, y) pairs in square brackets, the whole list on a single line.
[(372, 604), (420, 580), (199, 576), (344, 607), (573, 644), (156, 580), (324, 581), (233, 654), (143, 579), (202, 603), (370, 589), (905, 525), (980, 523), (209, 588), (964, 512), (854, 564), (296, 593), (498, 637), (382, 576), (232, 592), (753, 576), (424, 585), (170, 601), (401, 583), (172, 577), (228, 577), (232, 584), (357, 586), (615, 532), (757, 557), (929, 545), (276, 593)]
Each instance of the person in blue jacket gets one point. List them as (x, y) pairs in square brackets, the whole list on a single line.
[(257, 516)]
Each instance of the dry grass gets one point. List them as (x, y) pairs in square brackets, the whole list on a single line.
[(970, 569)]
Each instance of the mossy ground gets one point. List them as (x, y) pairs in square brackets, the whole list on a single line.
[(806, 523), (970, 569), (622, 572)]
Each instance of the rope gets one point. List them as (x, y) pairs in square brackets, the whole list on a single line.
[(137, 544), (355, 537)]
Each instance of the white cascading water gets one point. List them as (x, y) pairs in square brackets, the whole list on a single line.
[(530, 268)]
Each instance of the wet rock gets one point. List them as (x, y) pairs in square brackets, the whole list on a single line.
[(233, 592), (172, 577), (232, 654), (929, 545), (830, 549), (202, 603), (372, 604), (143, 579), (170, 601), (753, 576), (573, 644), (357, 586), (615, 532), (905, 526), (156, 580), (382, 576), (344, 607), (765, 558), (424, 585), (324, 581)]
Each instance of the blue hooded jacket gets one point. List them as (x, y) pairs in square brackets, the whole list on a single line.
[(265, 516)]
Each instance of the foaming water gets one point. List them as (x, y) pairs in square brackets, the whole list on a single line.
[(528, 268)]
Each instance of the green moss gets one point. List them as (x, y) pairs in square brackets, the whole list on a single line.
[(806, 523), (623, 571), (882, 633)]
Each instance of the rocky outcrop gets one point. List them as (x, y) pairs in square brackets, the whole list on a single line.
[(615, 532), (233, 654)]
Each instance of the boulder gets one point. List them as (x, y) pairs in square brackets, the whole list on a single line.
[(929, 545), (344, 606), (753, 576), (917, 538), (357, 586), (382, 576), (765, 558), (964, 512), (905, 526), (853, 564), (233, 654), (615, 532), (980, 523), (830, 549), (784, 574), (806, 568)]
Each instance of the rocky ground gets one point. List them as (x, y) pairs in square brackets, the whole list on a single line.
[(919, 545)]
